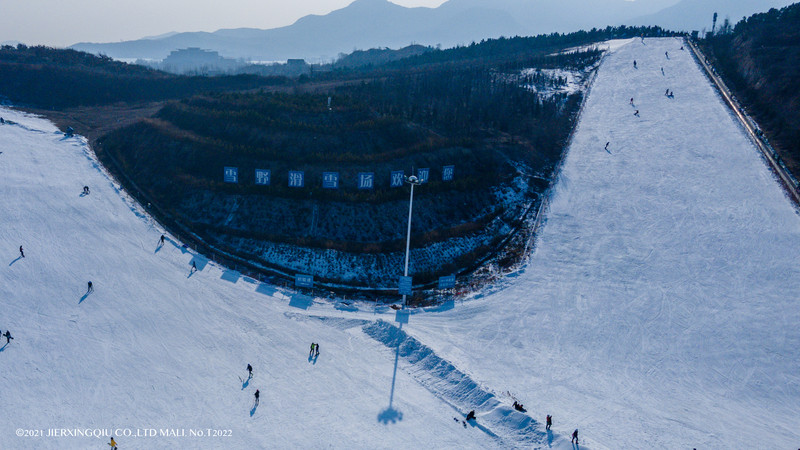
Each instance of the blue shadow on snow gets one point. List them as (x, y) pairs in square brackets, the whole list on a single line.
[(301, 301), (230, 275)]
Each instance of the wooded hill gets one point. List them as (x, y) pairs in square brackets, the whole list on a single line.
[(48, 78), (504, 129), (503, 139), (759, 58)]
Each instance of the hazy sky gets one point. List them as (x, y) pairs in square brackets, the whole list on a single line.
[(66, 22)]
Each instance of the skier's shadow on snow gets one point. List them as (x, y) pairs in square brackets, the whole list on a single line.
[(12, 262), (158, 248), (83, 194), (253, 410), (549, 438), (83, 298), (245, 384), (4, 347)]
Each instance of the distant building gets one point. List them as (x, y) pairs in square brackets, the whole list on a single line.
[(197, 60)]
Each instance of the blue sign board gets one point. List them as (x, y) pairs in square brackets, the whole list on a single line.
[(405, 286), (397, 178), (447, 173), (231, 175), (448, 282), (296, 178), (422, 175), (330, 180), (366, 180), (262, 177), (305, 281)]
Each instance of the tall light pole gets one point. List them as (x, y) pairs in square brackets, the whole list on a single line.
[(413, 181)]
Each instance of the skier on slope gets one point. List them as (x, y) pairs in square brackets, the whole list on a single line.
[(636, 113), (666, 54), (193, 269), (113, 443), (162, 239), (8, 337), (316, 350), (89, 287), (634, 64), (21, 253), (575, 436), (606, 149), (257, 395), (662, 71), (249, 371), (549, 421), (471, 415), (631, 101), (311, 351)]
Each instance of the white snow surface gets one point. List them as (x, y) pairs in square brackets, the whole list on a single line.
[(658, 310), (155, 348)]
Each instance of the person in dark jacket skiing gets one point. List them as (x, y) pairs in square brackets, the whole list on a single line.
[(634, 64), (193, 269), (8, 337), (575, 436), (549, 421), (21, 253), (316, 349), (249, 371), (257, 395), (89, 287), (162, 239), (471, 415)]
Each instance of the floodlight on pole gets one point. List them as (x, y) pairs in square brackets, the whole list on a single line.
[(413, 181)]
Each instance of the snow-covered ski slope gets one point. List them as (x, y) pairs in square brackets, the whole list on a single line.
[(155, 348), (659, 309)]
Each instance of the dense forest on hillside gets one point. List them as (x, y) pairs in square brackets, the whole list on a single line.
[(502, 53), (759, 58), (56, 78), (498, 112), (503, 139)]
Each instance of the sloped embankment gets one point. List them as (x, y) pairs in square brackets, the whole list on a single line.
[(458, 389)]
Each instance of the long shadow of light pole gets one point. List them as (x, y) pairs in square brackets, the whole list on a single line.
[(391, 415)]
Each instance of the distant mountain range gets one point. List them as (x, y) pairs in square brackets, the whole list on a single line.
[(368, 24), (698, 14)]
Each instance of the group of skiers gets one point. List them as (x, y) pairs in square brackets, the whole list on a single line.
[(314, 350), (668, 93)]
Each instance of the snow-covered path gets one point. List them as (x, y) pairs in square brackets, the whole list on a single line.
[(661, 307)]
